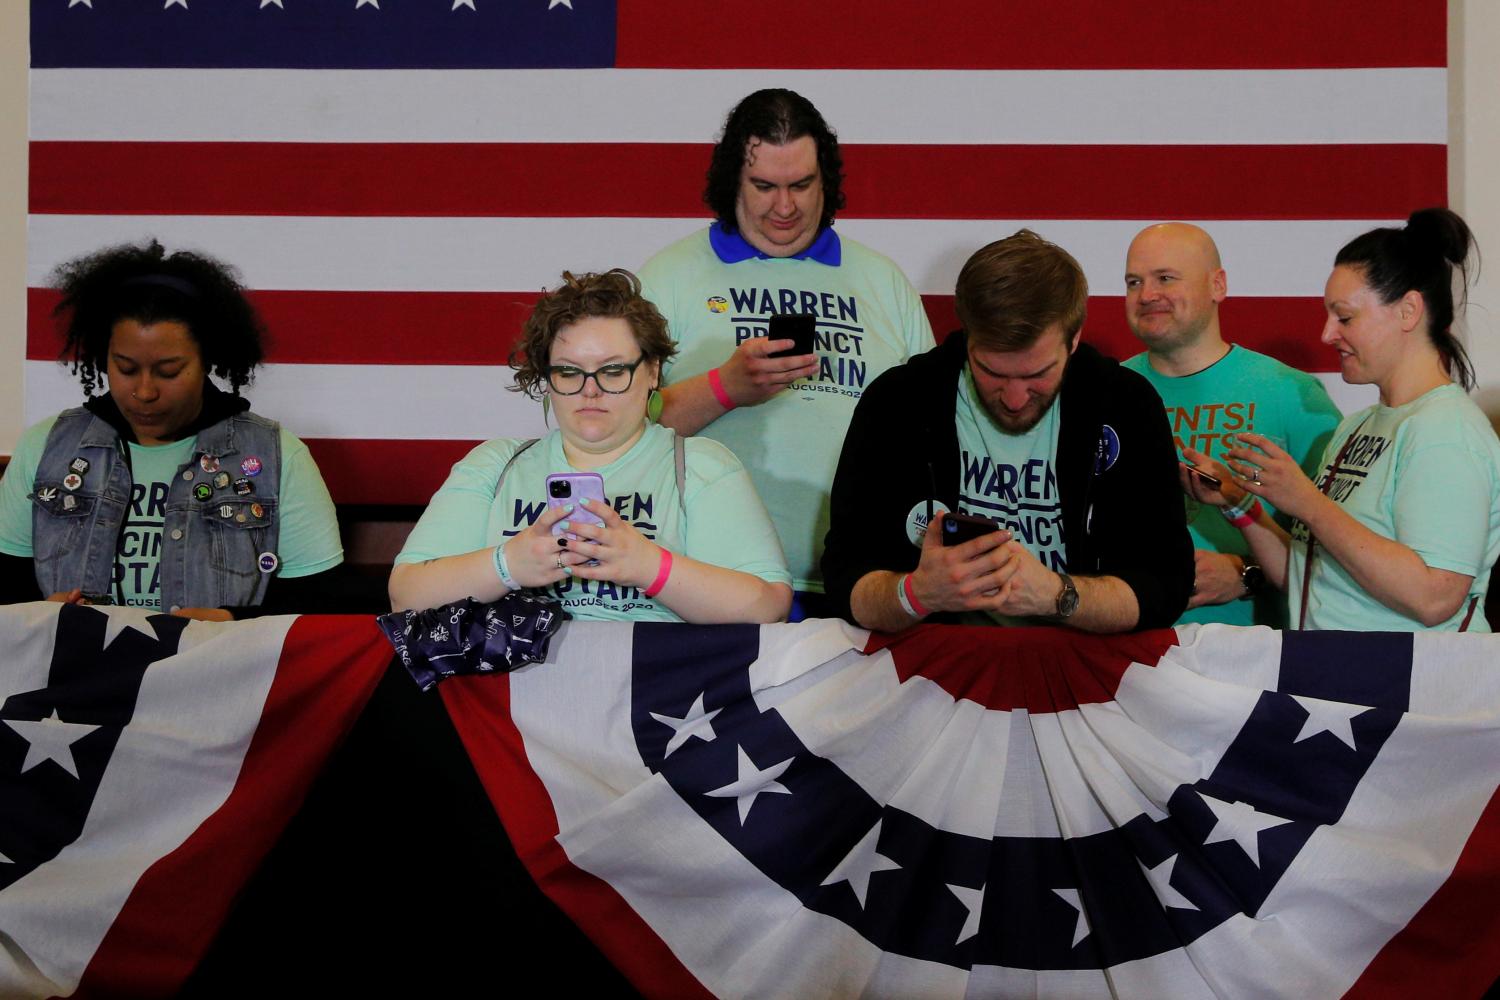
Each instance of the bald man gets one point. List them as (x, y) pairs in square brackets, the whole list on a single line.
[(1174, 282)]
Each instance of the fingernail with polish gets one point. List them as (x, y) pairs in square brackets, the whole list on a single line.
[(563, 525)]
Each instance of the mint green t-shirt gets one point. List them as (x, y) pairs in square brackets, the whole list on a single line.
[(309, 531), (725, 525), (1010, 478), (1427, 474), (1242, 391), (870, 318)]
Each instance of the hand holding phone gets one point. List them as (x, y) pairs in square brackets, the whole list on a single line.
[(799, 327), (1212, 482), (960, 528), (565, 488)]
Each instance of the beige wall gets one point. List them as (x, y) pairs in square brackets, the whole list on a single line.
[(14, 58), (1474, 181)]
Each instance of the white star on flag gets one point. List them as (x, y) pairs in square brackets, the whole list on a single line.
[(87, 3), (463, 3), (50, 739), (973, 900), (1329, 717), (1160, 878), (752, 781), (563, 3), (117, 623), (360, 3), (266, 3), (1081, 928), (1241, 823), (697, 723), (179, 3), (862, 862)]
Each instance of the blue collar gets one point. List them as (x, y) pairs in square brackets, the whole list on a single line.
[(731, 248)]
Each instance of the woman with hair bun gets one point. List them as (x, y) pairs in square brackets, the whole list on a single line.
[(1402, 528), (165, 491)]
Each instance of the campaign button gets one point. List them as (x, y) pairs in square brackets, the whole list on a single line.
[(79, 465), (226, 511), (176, 534), (187, 474), (244, 487), (203, 491), (257, 510), (209, 463), (72, 481), (47, 494), (250, 466), (240, 518), (69, 501), (221, 480), (268, 562)]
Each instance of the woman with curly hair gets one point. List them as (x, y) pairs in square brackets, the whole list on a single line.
[(683, 536), (164, 491)]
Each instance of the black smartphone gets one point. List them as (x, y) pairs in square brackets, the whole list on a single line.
[(798, 327), (960, 528), (1212, 482)]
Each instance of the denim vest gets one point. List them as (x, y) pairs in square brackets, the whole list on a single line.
[(215, 551)]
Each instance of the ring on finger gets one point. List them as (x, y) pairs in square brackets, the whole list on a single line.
[(1255, 477), (559, 561)]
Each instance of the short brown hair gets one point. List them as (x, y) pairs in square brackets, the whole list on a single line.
[(1012, 291), (614, 294)]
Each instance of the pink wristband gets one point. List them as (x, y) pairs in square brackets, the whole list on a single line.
[(663, 571), (911, 596), (1248, 518), (716, 383)]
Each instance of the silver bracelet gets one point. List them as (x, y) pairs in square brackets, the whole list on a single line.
[(502, 570)]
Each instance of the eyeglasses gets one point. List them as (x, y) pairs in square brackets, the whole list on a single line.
[(566, 380)]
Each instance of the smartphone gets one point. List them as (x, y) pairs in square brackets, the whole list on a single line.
[(565, 488), (793, 326), (1212, 482), (960, 528)]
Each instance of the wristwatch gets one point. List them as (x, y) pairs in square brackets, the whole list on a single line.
[(1252, 578), (1067, 598)]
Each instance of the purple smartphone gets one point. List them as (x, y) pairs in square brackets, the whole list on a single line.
[(565, 488)]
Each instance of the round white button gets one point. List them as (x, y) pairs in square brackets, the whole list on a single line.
[(176, 534)]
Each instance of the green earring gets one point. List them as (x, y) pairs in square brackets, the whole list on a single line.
[(546, 408), (654, 404)]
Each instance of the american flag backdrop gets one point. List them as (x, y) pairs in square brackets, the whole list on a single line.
[(397, 179)]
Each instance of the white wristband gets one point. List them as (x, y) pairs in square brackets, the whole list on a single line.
[(901, 596), (502, 570)]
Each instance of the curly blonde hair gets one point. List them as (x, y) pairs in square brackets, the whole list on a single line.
[(614, 294)]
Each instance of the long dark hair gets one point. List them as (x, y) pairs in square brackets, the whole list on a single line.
[(776, 116), (146, 284), (1422, 256)]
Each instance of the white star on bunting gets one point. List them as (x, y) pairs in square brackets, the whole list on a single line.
[(752, 782), (1329, 717), (1073, 899), (1160, 878), (51, 739), (1241, 823), (697, 723), (973, 900), (115, 624), (862, 862)]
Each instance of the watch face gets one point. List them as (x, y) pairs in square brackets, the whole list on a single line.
[(1253, 577), (1067, 601)]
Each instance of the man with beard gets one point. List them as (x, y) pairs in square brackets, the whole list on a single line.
[(1011, 420), (1174, 282)]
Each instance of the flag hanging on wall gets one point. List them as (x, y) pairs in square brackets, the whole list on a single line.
[(397, 179), (965, 812)]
